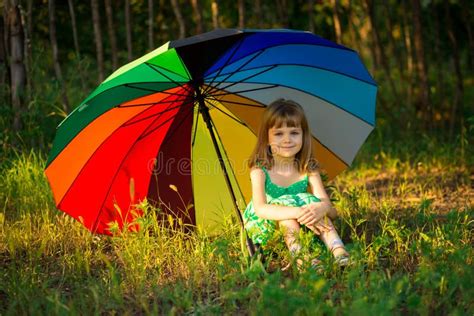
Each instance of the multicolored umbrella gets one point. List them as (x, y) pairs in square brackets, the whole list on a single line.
[(177, 126)]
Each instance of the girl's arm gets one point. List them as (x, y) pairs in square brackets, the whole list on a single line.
[(264, 210), (313, 212)]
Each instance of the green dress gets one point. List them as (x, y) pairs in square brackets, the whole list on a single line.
[(261, 230)]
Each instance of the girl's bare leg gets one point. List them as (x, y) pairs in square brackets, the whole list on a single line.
[(291, 229), (332, 240)]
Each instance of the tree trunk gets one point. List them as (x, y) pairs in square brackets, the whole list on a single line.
[(215, 14), (378, 46), (128, 28), (353, 31), (459, 91), (74, 27), (421, 66), (311, 15), (282, 10), (179, 18), (241, 5), (111, 32), (258, 13), (29, 39), (197, 16), (17, 66), (336, 20), (409, 55), (98, 39), (26, 52), (467, 19), (438, 60), (393, 43), (376, 50), (362, 29), (54, 47), (151, 43), (72, 14), (3, 57), (6, 42)]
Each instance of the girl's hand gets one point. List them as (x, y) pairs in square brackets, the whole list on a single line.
[(320, 227), (311, 214)]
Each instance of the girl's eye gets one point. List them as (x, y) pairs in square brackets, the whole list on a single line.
[(295, 133), (277, 134)]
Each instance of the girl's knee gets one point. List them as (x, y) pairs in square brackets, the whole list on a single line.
[(289, 223)]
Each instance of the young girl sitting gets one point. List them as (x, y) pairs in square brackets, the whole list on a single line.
[(281, 168)]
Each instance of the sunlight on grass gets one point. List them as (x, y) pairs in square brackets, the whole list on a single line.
[(408, 224)]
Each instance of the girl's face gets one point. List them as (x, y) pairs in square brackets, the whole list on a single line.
[(285, 141)]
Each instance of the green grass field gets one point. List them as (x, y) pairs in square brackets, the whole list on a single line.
[(406, 214)]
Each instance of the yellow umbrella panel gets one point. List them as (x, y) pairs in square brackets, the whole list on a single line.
[(213, 201)]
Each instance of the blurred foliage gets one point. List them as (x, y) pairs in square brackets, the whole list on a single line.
[(398, 115)]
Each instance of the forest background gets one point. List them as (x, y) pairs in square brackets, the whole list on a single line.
[(406, 204)]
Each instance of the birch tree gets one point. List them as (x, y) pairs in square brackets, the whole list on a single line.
[(151, 43), (128, 28), (241, 8), (421, 65), (179, 18), (197, 16), (98, 39), (215, 14), (336, 20), (311, 16), (3, 55), (54, 47), (111, 32), (72, 14), (459, 87)]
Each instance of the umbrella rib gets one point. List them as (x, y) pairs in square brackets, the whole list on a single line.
[(307, 66), (151, 90), (195, 129), (177, 127), (243, 123), (288, 44), (113, 179), (174, 72), (235, 119), (230, 74), (169, 78), (147, 104), (227, 157), (242, 80), (159, 126), (332, 152), (247, 90), (227, 61), (302, 91), (238, 103), (128, 123), (83, 166)]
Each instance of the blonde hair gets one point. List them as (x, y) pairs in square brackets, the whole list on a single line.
[(278, 113)]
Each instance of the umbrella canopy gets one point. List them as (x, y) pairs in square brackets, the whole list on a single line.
[(178, 125)]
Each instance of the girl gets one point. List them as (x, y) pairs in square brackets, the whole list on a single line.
[(281, 168)]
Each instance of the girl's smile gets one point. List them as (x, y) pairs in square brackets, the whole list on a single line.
[(285, 142)]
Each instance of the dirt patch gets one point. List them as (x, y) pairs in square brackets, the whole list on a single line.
[(444, 190)]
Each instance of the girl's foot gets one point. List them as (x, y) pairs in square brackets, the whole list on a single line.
[(316, 265), (341, 256)]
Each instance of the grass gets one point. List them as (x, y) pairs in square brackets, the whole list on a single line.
[(406, 214)]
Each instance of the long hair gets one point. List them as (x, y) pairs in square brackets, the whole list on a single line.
[(278, 113)]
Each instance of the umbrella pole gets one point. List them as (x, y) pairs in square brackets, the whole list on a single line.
[(204, 110)]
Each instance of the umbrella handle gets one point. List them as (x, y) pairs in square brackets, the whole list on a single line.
[(250, 244)]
